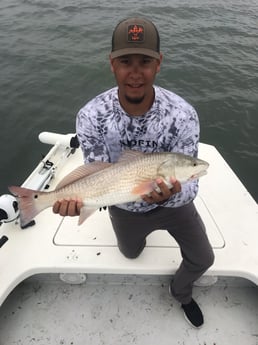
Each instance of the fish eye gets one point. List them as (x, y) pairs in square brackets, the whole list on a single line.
[(35, 196)]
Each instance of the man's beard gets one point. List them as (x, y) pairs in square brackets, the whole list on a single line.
[(134, 100)]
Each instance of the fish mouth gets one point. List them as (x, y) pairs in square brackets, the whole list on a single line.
[(196, 176)]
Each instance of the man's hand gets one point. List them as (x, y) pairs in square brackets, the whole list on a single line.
[(68, 207), (165, 192)]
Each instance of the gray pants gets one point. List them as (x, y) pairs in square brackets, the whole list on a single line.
[(187, 228)]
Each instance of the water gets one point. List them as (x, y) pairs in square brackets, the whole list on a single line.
[(54, 57)]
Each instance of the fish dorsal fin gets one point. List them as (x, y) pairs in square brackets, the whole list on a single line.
[(82, 171), (129, 155)]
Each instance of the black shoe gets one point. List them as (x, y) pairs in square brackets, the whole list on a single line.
[(193, 314)]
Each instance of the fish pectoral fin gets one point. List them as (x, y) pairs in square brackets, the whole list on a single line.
[(144, 187), (85, 213), (82, 171)]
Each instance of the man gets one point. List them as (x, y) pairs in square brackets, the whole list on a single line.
[(139, 115)]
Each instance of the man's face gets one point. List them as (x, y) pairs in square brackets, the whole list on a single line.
[(135, 75)]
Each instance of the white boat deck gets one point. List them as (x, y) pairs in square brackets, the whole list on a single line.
[(115, 309), (57, 245)]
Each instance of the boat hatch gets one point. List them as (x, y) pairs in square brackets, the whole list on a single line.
[(90, 233)]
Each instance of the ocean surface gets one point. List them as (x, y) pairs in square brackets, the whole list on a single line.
[(54, 58)]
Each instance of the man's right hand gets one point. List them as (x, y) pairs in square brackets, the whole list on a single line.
[(66, 207)]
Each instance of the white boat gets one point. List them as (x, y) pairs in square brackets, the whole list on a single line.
[(61, 283)]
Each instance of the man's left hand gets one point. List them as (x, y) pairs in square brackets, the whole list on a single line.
[(156, 197)]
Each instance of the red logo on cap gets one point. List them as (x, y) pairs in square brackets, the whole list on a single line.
[(135, 33)]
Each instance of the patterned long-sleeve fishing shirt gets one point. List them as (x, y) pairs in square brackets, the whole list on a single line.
[(104, 129)]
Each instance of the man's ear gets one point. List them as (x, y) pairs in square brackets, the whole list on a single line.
[(159, 62), (111, 64)]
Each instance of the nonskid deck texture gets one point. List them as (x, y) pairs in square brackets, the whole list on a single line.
[(57, 245), (117, 309)]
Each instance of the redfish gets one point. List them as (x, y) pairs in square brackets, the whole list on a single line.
[(100, 184)]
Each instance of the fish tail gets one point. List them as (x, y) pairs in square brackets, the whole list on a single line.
[(31, 202)]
